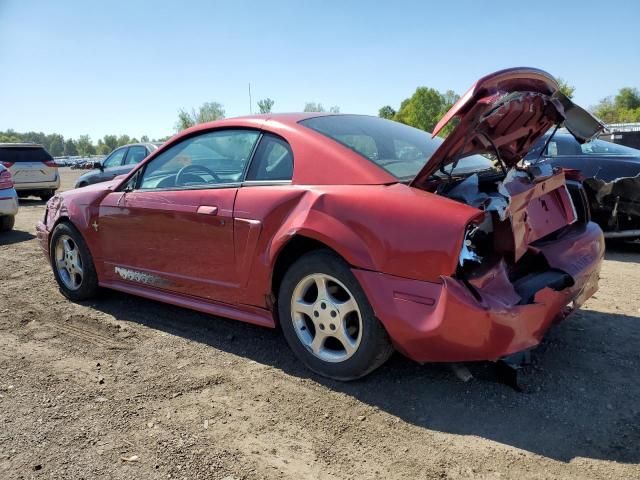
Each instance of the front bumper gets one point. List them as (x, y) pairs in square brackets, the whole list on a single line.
[(42, 234), (8, 202), (445, 322)]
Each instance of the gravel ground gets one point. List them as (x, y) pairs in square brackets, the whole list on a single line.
[(123, 387)]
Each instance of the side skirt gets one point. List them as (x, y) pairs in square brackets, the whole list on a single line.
[(244, 313)]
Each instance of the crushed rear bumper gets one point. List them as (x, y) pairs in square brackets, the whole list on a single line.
[(447, 321)]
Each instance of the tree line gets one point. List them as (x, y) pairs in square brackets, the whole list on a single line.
[(422, 110), (210, 111), (83, 146)]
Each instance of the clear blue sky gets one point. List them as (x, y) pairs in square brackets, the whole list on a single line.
[(118, 66)]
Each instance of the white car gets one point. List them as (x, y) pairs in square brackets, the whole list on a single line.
[(8, 200), (33, 169)]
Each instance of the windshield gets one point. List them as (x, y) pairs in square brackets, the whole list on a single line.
[(399, 149)]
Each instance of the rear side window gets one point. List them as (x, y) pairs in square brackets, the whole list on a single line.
[(399, 149), (273, 160), (24, 154), (136, 155)]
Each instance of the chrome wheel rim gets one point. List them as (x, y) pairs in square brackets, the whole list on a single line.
[(326, 318), (68, 262)]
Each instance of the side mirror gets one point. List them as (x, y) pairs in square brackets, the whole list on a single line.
[(99, 166)]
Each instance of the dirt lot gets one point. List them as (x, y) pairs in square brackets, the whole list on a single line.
[(128, 388)]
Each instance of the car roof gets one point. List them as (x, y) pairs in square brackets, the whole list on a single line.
[(313, 150), (291, 118), (138, 144), (21, 145)]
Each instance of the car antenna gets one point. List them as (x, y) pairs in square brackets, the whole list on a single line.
[(546, 143)]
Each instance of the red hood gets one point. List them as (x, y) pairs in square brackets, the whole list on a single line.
[(507, 111)]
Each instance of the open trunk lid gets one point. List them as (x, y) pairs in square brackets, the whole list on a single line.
[(505, 113)]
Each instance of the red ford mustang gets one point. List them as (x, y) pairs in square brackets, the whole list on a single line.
[(356, 234)]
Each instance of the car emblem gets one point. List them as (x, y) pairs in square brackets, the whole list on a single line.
[(95, 225)]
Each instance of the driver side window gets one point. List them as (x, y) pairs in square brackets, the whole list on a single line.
[(204, 160)]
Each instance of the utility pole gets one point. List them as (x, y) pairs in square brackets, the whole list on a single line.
[(250, 103)]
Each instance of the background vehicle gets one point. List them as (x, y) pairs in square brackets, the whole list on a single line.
[(8, 200), (350, 231), (33, 169), (611, 178), (119, 162)]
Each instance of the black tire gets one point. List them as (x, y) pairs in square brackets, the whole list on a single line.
[(374, 347), (46, 195), (7, 222), (89, 285)]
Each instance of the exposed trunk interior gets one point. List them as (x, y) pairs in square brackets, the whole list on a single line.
[(500, 257)]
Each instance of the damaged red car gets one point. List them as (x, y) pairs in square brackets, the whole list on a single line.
[(357, 235)]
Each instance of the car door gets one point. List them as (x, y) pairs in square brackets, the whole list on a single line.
[(112, 165), (174, 229), (261, 206)]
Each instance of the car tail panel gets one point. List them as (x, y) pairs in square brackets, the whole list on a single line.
[(6, 180), (29, 164)]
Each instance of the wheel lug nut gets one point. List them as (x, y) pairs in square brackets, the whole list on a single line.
[(316, 313), (321, 326), (333, 327), (323, 305), (333, 313)]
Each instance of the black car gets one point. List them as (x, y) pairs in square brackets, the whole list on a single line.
[(120, 161), (612, 179)]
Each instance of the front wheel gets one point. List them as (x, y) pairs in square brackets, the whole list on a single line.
[(72, 264), (46, 195), (327, 319), (7, 222)]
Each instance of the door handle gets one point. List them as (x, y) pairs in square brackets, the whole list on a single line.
[(207, 210)]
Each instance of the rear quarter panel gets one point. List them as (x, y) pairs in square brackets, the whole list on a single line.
[(393, 229)]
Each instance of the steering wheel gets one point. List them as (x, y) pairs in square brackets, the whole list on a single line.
[(199, 168)]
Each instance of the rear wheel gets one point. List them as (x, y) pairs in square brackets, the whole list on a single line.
[(46, 195), (327, 319), (7, 222), (72, 264)]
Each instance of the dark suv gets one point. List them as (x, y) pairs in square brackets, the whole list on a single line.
[(120, 161)]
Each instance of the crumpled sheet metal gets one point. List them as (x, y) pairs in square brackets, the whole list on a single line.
[(469, 192), (535, 207), (624, 191)]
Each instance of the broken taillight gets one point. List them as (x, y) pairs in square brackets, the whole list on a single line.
[(477, 242), (6, 181)]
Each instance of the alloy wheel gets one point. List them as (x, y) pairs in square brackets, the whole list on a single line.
[(68, 262), (326, 317)]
